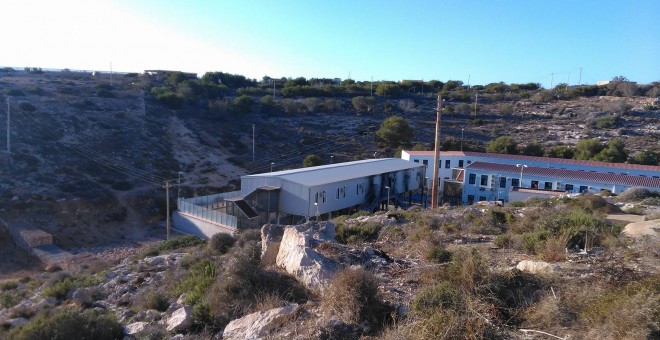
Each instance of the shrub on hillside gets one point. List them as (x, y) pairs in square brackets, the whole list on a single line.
[(633, 194), (357, 232), (438, 254), (27, 107), (357, 304), (175, 243), (70, 325), (220, 243)]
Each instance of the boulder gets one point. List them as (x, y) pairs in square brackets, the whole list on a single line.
[(81, 297), (297, 256), (642, 229), (156, 260), (535, 267), (16, 322), (135, 328), (271, 236), (180, 320), (258, 325)]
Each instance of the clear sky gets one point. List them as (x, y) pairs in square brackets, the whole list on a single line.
[(480, 41)]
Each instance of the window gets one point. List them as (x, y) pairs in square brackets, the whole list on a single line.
[(447, 163), (470, 199), (469, 162), (460, 163), (535, 185), (316, 198), (323, 196), (584, 188), (472, 179), (569, 187), (482, 198), (484, 180), (426, 162), (359, 189), (341, 192), (502, 182), (337, 193), (416, 160), (515, 182), (548, 186)]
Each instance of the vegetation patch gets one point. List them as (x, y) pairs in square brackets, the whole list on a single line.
[(65, 325)]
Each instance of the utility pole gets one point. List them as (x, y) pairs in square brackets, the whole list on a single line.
[(253, 139), (8, 127), (436, 158), (580, 79), (167, 206)]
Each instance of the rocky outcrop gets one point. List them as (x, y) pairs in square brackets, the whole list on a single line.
[(642, 229), (271, 236), (258, 325), (297, 256), (180, 320), (135, 328), (535, 267)]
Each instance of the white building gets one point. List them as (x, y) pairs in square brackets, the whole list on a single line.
[(294, 196), (453, 178)]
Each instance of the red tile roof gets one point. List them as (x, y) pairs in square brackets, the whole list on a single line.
[(539, 159), (563, 174)]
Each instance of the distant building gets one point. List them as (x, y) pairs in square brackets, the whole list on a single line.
[(294, 196), (458, 169)]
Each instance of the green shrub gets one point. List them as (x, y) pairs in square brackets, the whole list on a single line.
[(200, 277), (170, 99), (70, 325), (27, 107), (503, 241), (357, 233), (220, 243), (59, 289), (11, 298), (444, 295), (8, 285), (157, 301), (438, 254), (175, 243), (606, 122), (634, 193)]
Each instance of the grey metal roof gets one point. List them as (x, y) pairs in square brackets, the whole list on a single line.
[(332, 173)]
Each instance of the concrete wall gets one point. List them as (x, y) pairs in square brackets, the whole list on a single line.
[(195, 226)]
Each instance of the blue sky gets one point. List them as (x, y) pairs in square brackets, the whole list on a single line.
[(485, 41)]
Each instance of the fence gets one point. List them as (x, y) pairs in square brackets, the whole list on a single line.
[(202, 207)]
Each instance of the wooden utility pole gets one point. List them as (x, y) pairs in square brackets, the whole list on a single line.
[(436, 158), (167, 206)]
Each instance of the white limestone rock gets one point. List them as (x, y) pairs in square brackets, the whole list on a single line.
[(271, 237), (535, 267), (135, 328), (258, 325), (297, 256), (180, 320)]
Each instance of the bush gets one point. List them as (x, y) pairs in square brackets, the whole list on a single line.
[(11, 298), (606, 122), (200, 277), (59, 289), (27, 107), (633, 194), (170, 99), (8, 285), (105, 93), (358, 232), (220, 243), (444, 295), (157, 301), (358, 303), (175, 243), (438, 254), (70, 325), (503, 241)]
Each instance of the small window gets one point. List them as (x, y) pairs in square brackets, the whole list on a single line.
[(584, 188), (535, 185), (425, 162), (447, 163), (416, 160), (472, 179), (482, 198), (470, 199), (469, 162), (484, 180), (337, 197), (316, 198), (569, 187), (548, 186), (502, 182), (460, 163), (323, 196), (515, 182)]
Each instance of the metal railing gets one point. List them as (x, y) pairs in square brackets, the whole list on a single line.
[(202, 207)]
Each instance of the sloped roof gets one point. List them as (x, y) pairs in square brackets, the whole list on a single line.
[(523, 158), (332, 173), (562, 174)]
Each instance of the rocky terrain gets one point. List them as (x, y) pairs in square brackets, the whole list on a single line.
[(91, 154)]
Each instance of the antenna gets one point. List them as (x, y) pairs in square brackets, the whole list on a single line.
[(468, 81)]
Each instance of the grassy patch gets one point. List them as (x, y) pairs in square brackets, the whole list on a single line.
[(174, 243), (357, 233), (70, 325)]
